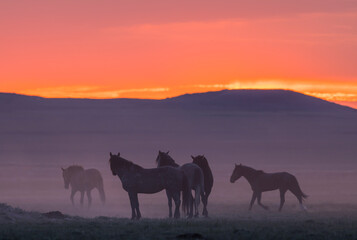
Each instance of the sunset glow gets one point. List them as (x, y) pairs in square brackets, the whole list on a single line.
[(160, 49)]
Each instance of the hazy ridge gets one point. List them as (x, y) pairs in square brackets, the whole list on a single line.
[(233, 100), (281, 125), (271, 130)]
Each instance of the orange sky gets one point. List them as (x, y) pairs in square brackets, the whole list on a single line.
[(161, 48)]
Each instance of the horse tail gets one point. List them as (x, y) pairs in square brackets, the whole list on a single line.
[(303, 195), (101, 190), (186, 192), (201, 180), (298, 189)]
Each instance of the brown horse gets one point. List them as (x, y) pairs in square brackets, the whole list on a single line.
[(262, 182), (83, 181), (195, 179), (136, 179), (202, 162)]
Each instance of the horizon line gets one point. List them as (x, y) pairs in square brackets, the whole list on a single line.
[(148, 98), (351, 104)]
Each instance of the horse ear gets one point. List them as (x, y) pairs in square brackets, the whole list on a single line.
[(159, 152), (111, 154), (193, 157), (62, 168), (118, 154), (167, 152)]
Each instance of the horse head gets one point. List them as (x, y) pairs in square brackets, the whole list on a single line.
[(119, 165), (114, 163), (69, 172), (164, 159), (200, 160), (237, 173), (66, 177)]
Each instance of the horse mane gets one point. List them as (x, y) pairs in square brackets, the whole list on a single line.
[(202, 162), (75, 168), (257, 172), (119, 161), (166, 159)]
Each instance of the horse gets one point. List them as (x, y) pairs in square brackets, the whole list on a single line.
[(83, 181), (202, 162), (262, 182), (136, 179), (194, 175)]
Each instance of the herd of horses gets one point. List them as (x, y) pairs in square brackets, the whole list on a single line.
[(175, 179)]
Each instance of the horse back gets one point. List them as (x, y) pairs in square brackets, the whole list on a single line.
[(153, 180), (272, 181), (92, 178), (194, 174), (93, 172)]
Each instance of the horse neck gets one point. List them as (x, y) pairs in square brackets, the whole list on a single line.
[(250, 174), (74, 173), (130, 169), (168, 162), (205, 167), (174, 164), (135, 167)]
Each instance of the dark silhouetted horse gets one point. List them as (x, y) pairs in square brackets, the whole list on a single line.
[(136, 179), (83, 181), (202, 162), (195, 179), (262, 182)]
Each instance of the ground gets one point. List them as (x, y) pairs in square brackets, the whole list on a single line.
[(321, 224)]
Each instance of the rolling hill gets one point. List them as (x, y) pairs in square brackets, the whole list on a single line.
[(257, 100), (233, 100), (255, 125)]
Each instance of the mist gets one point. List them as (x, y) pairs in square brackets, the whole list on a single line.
[(39, 136)]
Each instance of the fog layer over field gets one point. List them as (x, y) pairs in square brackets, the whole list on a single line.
[(269, 130)]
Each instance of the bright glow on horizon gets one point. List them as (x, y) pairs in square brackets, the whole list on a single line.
[(329, 92), (160, 49), (88, 92)]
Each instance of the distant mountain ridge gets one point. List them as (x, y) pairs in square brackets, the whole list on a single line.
[(261, 126), (229, 100), (260, 100)]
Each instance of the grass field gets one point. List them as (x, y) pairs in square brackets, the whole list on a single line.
[(322, 222), (332, 210)]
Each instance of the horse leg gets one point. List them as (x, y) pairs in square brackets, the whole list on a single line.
[(259, 198), (282, 198), (132, 204), (190, 213), (101, 193), (254, 196), (176, 197), (169, 199), (138, 214), (197, 200), (72, 196), (205, 201), (89, 198), (82, 196)]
